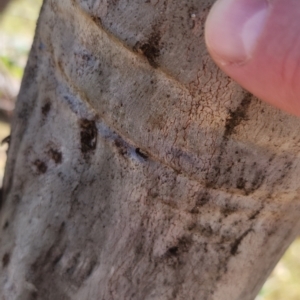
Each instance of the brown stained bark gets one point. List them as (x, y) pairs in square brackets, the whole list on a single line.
[(137, 170)]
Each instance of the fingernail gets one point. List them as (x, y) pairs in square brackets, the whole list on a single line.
[(233, 29)]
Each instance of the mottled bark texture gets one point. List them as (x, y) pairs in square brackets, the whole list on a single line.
[(137, 170)]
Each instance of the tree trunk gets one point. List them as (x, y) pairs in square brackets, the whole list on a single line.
[(3, 4), (137, 170)]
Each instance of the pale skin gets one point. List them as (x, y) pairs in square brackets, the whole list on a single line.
[(271, 68)]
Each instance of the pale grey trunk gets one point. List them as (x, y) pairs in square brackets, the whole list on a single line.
[(137, 170)]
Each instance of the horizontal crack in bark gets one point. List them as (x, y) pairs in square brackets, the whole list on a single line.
[(120, 43)]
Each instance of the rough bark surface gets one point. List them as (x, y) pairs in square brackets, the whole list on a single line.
[(137, 170)]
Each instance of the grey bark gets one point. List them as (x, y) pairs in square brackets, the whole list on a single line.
[(137, 170)]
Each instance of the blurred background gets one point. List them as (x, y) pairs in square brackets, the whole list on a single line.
[(17, 25)]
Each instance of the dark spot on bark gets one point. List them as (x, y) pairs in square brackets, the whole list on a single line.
[(34, 295), (222, 268), (173, 250), (183, 245), (288, 165), (227, 210), (241, 183), (192, 226), (55, 155), (40, 166), (195, 210), (5, 260), (255, 214), (73, 264), (202, 199), (272, 158), (56, 259), (253, 185), (121, 147), (46, 108), (6, 224), (60, 66), (141, 153), (205, 247), (151, 48), (88, 135), (61, 228), (175, 291), (139, 248), (90, 269), (153, 194), (237, 116), (176, 255), (258, 180), (207, 231), (235, 245), (97, 21), (50, 258)]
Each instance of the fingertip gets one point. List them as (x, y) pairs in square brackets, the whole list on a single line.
[(233, 28), (257, 44)]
